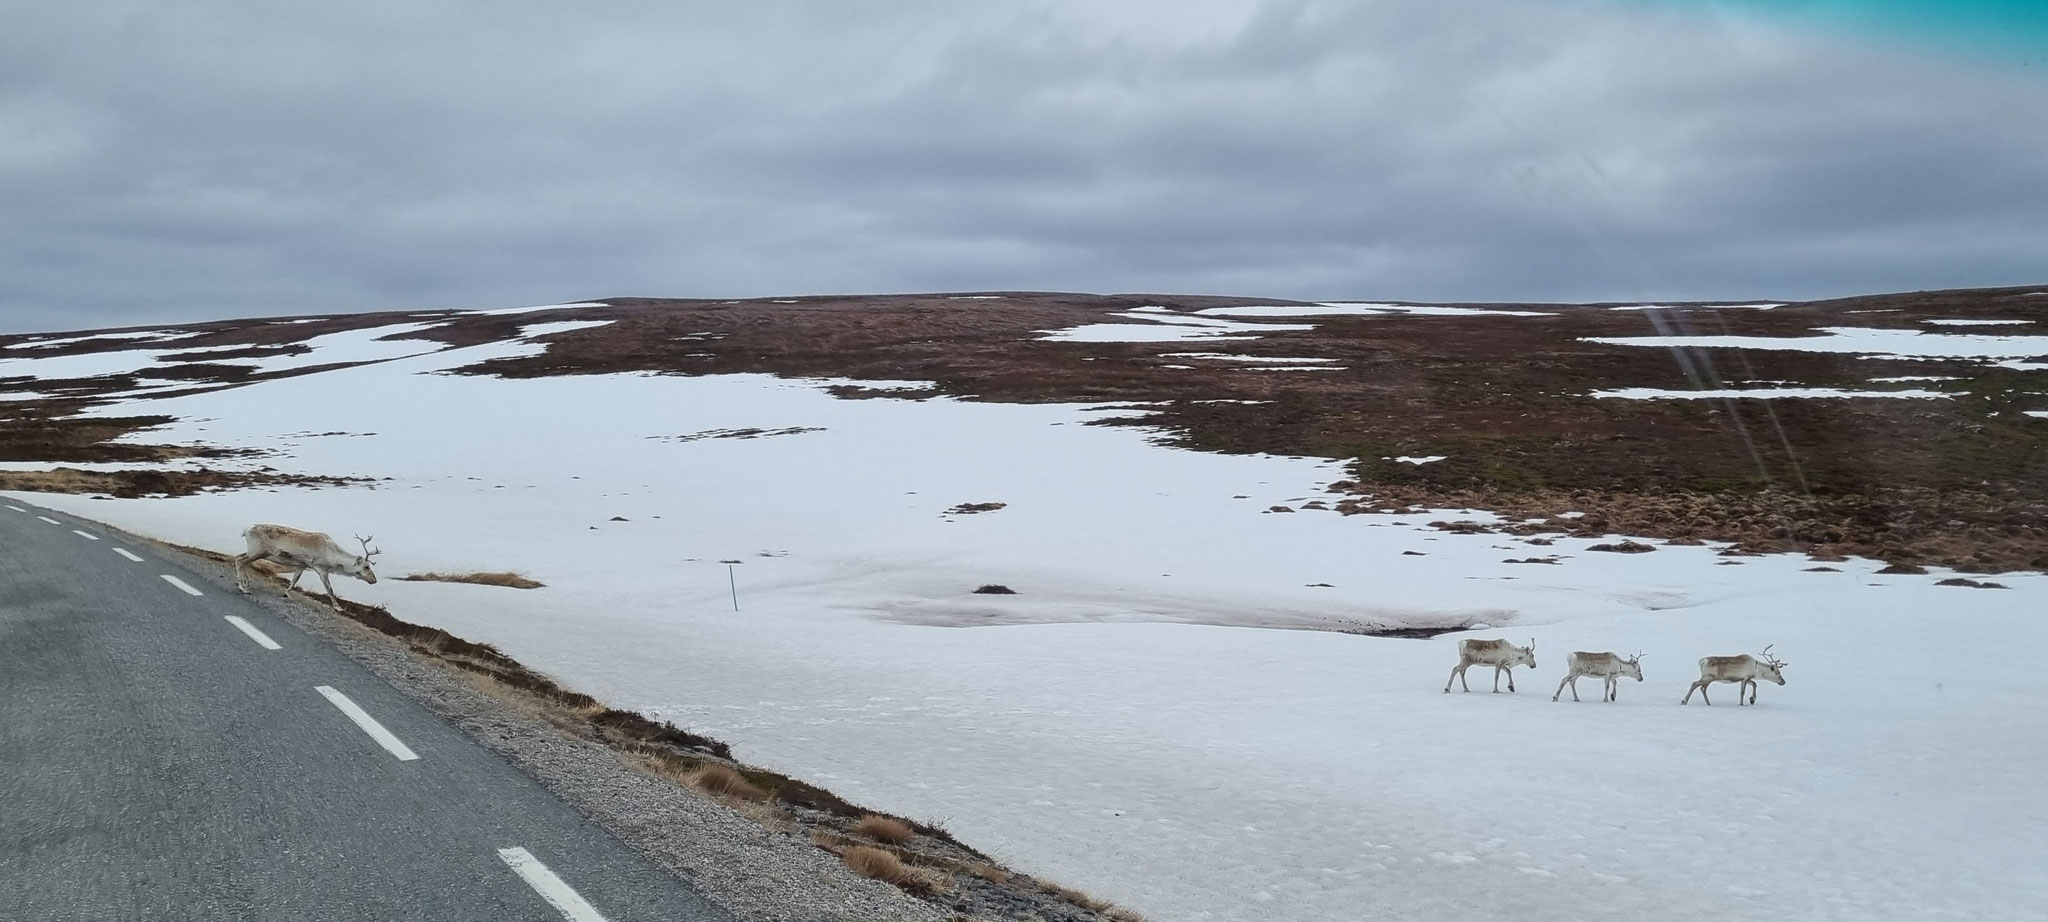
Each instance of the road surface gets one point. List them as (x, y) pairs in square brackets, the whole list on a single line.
[(170, 751)]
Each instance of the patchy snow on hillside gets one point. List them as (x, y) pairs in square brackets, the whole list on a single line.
[(1130, 722), (1159, 325), (1759, 393), (1861, 341)]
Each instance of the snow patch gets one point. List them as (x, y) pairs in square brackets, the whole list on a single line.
[(542, 307), (1865, 342), (1759, 393)]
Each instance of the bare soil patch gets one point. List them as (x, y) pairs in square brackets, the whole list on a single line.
[(130, 484), (504, 578)]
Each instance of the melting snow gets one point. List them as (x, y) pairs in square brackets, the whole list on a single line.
[(1751, 306), (1871, 343), (1165, 326), (1772, 393), (1344, 308), (543, 307), (1228, 357), (69, 340)]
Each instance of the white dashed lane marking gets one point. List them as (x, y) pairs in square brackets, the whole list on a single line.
[(565, 899), (181, 584), (49, 520), (86, 535), (368, 723), (125, 553), (262, 640)]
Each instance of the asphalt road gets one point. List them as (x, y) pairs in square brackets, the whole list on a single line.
[(157, 761)]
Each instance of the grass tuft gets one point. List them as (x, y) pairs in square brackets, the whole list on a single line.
[(884, 829), (877, 864), (724, 781)]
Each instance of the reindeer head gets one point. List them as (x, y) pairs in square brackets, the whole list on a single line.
[(360, 567), (1633, 667), (1767, 666), (1524, 656)]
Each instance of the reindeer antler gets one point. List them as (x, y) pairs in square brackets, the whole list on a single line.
[(1768, 658), (368, 551)]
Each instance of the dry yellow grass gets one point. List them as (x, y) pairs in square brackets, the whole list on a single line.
[(884, 829), (990, 872), (507, 579), (723, 781), (1078, 898), (868, 861)]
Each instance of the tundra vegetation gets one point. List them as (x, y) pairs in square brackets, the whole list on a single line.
[(1504, 401)]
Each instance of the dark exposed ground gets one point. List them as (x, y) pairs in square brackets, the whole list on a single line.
[(1959, 482)]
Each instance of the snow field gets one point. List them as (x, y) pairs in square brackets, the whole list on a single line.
[(1135, 728)]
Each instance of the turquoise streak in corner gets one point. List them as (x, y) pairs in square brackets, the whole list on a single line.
[(2000, 26)]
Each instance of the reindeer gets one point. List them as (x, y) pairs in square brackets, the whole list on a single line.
[(1745, 669), (1499, 654), (306, 550), (1604, 666)]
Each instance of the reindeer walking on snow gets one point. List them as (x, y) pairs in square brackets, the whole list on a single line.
[(1500, 654), (1609, 668), (306, 550), (1744, 669)]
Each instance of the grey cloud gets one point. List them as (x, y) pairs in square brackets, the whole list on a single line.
[(198, 160)]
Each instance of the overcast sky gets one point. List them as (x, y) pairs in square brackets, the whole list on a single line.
[(195, 160)]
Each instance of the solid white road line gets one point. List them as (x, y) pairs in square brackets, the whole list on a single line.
[(86, 536), (565, 899), (124, 552), (181, 584), (49, 520), (262, 640), (368, 723)]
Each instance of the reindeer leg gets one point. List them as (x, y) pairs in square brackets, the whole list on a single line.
[(1456, 672), (1510, 670), (331, 601), (294, 584), (241, 582), (1560, 689)]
